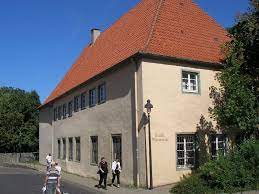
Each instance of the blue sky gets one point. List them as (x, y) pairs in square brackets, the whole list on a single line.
[(40, 39)]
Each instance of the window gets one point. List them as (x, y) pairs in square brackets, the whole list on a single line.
[(76, 103), (78, 149), (70, 148), (190, 82), (218, 143), (59, 112), (83, 101), (116, 147), (70, 105), (92, 97), (64, 111), (64, 148), (55, 114), (185, 151), (94, 152), (59, 148), (101, 93)]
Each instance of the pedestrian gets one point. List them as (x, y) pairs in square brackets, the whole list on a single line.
[(48, 161), (52, 181), (116, 170), (58, 168), (103, 171)]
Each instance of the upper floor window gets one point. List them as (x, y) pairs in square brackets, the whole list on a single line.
[(92, 97), (218, 145), (59, 112), (64, 111), (83, 101), (55, 114), (70, 105), (185, 151), (101, 93), (76, 103), (190, 82)]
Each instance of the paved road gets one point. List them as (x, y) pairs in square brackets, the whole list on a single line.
[(27, 181)]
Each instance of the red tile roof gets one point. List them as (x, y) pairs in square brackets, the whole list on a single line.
[(174, 28)]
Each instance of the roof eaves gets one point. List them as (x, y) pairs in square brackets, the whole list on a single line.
[(207, 64), (92, 78)]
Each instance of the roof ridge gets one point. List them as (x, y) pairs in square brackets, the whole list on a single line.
[(153, 25)]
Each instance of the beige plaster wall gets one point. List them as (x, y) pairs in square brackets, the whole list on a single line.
[(174, 112), (45, 134), (112, 117)]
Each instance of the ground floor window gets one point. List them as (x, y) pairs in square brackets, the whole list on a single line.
[(185, 151), (218, 145), (94, 150), (70, 150), (59, 148), (78, 149), (64, 148), (116, 147)]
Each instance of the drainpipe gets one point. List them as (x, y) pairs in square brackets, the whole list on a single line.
[(135, 62), (52, 134)]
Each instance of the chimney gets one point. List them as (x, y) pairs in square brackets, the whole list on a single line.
[(95, 33)]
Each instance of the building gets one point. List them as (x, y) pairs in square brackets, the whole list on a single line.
[(167, 51)]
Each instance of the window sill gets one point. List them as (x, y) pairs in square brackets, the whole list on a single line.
[(191, 92), (93, 164), (184, 168), (102, 102)]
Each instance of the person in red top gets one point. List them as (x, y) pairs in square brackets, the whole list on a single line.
[(103, 171)]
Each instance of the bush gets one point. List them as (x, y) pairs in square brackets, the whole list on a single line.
[(191, 184), (238, 171)]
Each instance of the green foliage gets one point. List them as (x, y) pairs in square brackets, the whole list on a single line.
[(238, 171), (19, 120), (204, 129), (191, 185), (235, 101)]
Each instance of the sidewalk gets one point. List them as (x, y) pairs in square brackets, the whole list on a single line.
[(90, 183)]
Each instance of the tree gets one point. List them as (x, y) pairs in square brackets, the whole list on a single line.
[(19, 120), (236, 100)]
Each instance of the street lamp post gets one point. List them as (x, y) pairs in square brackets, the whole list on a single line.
[(149, 106)]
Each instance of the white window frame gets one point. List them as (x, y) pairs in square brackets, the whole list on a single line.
[(102, 93), (70, 108), (64, 107), (83, 101), (76, 104), (185, 166), (92, 97), (197, 84), (225, 142)]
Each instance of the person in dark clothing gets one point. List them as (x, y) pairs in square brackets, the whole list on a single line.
[(103, 171)]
